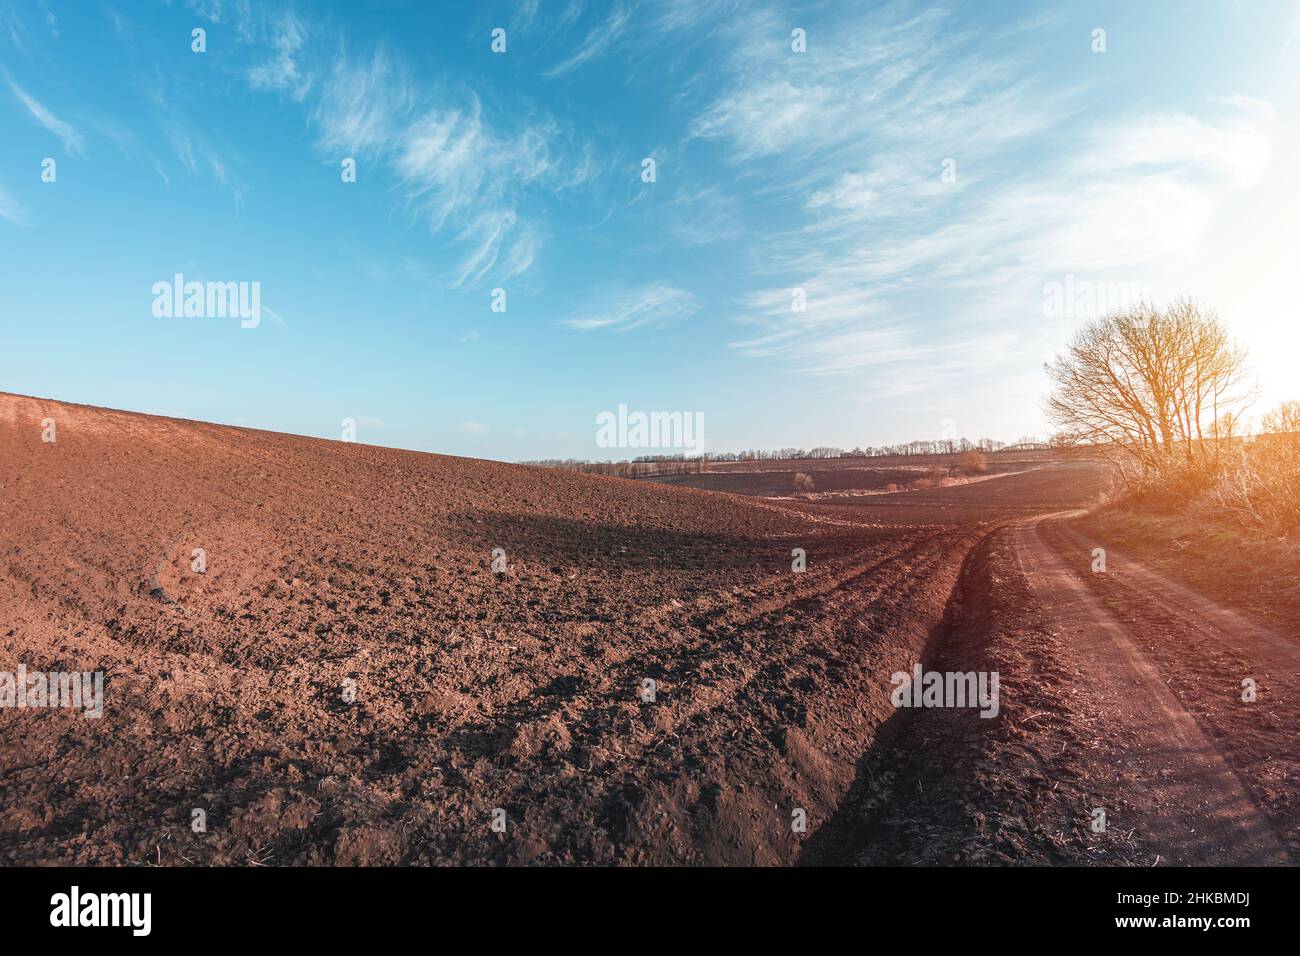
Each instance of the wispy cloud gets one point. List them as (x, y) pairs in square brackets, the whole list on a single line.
[(71, 139), (281, 72), (51, 20), (199, 158), (700, 216), (894, 81), (12, 209), (478, 179), (675, 16), (598, 40), (363, 104), (454, 167), (128, 144), (929, 171), (14, 28), (1292, 39), (651, 305)]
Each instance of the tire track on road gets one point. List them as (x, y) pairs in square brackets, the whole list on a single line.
[(1194, 807)]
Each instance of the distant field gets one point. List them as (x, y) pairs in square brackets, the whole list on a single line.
[(771, 479), (1023, 458)]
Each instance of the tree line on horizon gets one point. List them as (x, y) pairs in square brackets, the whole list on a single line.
[(681, 464)]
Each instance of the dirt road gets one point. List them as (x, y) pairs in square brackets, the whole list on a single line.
[(1188, 801), (1120, 695)]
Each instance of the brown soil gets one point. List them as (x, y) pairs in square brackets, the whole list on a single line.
[(330, 563), (1120, 691), (334, 567), (946, 786)]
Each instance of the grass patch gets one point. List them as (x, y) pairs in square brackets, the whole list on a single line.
[(1252, 571)]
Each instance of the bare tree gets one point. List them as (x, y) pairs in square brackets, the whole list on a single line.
[(972, 463), (1151, 389), (1283, 421), (1279, 438)]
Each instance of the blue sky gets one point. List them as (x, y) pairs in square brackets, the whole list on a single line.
[(1163, 164)]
